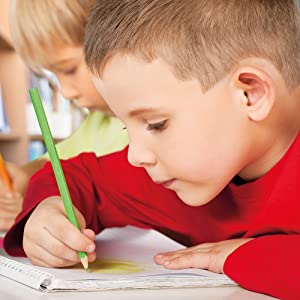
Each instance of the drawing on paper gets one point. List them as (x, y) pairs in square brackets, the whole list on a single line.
[(114, 266)]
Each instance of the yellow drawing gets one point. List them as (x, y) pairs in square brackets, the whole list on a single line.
[(114, 266)]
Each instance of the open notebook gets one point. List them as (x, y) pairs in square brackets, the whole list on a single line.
[(124, 261)]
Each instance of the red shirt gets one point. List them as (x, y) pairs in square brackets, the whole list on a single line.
[(110, 192)]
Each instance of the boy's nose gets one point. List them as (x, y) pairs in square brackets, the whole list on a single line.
[(69, 93), (68, 90), (140, 156)]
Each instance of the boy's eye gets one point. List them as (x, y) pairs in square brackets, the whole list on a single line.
[(157, 126), (70, 71)]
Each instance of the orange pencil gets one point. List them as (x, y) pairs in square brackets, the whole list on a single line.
[(4, 174)]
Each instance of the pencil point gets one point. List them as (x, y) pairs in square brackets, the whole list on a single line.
[(85, 262)]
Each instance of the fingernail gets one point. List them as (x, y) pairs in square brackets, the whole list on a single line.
[(90, 248), (159, 256), (8, 195)]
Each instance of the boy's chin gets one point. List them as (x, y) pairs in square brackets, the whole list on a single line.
[(192, 199)]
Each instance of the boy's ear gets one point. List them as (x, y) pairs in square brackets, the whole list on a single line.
[(257, 91)]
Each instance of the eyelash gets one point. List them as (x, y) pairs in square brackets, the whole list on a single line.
[(70, 71), (160, 126)]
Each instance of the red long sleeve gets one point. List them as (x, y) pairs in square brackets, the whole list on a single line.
[(268, 264), (109, 192)]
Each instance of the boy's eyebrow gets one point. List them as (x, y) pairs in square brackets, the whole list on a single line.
[(62, 62), (140, 111)]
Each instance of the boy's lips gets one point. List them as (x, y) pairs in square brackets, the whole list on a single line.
[(165, 183), (93, 108)]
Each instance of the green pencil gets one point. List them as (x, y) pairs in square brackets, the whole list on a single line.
[(56, 165)]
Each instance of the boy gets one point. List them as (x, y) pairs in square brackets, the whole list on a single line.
[(210, 99), (46, 38)]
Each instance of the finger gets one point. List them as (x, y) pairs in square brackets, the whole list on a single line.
[(69, 256), (57, 248), (3, 188), (92, 256), (11, 200), (6, 223), (189, 260), (43, 258), (8, 213), (53, 252), (189, 249), (7, 198), (89, 233), (169, 255), (10, 206), (42, 263), (161, 258), (66, 232), (202, 247), (37, 262), (47, 251)]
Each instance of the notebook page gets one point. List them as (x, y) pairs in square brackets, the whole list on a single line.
[(137, 246), (132, 247)]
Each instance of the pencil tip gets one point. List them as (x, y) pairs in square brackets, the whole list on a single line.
[(85, 262)]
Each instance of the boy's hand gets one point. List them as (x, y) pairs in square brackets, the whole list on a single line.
[(210, 256), (50, 240)]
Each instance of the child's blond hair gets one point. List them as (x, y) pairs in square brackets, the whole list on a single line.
[(201, 39), (39, 25)]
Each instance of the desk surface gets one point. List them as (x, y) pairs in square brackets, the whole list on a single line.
[(11, 290)]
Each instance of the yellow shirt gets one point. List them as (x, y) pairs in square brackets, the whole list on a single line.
[(98, 133)]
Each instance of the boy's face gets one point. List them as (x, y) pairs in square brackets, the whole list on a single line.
[(190, 142), (68, 64)]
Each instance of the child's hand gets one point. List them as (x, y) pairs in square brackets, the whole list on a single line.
[(50, 240), (19, 177), (10, 202), (10, 206), (210, 256)]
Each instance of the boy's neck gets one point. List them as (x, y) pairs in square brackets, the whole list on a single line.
[(268, 160)]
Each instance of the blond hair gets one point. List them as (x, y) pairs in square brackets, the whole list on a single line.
[(200, 39), (44, 25)]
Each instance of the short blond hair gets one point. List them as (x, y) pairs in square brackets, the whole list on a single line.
[(201, 39), (43, 25)]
